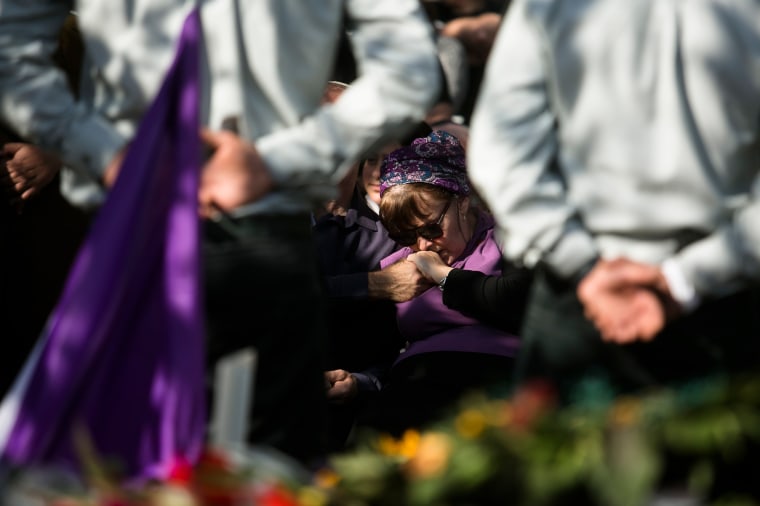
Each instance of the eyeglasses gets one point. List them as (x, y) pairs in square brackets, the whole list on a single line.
[(429, 231)]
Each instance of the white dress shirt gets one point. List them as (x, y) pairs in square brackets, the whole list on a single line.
[(266, 63), (619, 128)]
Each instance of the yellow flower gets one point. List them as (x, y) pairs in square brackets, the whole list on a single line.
[(625, 411), (432, 455), (470, 423), (387, 445), (326, 478), (310, 496), (404, 447), (410, 443)]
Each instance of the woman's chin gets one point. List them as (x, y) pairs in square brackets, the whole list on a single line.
[(374, 195)]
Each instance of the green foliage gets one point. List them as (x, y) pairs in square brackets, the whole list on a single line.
[(702, 439), (605, 451)]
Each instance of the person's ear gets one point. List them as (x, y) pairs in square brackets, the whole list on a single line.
[(464, 205)]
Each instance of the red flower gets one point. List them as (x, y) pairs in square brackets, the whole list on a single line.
[(214, 460), (531, 402), (180, 472), (220, 497), (274, 495)]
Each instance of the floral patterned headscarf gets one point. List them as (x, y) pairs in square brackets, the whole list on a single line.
[(437, 159)]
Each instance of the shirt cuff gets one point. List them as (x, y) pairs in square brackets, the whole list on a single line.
[(367, 382), (680, 288), (573, 256)]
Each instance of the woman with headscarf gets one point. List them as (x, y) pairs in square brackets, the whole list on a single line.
[(361, 314), (461, 334)]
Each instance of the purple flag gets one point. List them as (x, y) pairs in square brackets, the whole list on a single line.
[(123, 352)]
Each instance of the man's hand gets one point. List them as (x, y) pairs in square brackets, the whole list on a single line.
[(477, 34), (626, 300), (399, 282), (234, 175), (341, 386), (114, 168), (29, 168), (430, 264)]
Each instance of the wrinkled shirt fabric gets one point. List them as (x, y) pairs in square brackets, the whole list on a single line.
[(261, 61), (614, 128)]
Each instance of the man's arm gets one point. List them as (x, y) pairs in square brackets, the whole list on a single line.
[(36, 101), (398, 81), (627, 300), (513, 146), (343, 386), (233, 176), (399, 282), (29, 168), (630, 301), (496, 300)]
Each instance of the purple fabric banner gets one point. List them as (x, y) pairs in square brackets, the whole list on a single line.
[(123, 352)]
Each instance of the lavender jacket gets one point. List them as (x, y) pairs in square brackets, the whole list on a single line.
[(429, 326)]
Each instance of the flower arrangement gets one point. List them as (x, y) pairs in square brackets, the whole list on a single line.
[(701, 440), (234, 478)]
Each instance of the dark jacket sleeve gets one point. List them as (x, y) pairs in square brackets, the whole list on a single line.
[(329, 235), (373, 379), (496, 300)]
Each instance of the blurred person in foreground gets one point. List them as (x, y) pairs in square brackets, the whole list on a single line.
[(617, 144), (281, 153)]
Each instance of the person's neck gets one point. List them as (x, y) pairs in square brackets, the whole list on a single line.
[(468, 224), (372, 204)]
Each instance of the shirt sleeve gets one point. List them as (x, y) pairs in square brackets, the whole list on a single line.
[(373, 379), (512, 150), (36, 100), (329, 239), (496, 300), (729, 258), (368, 381), (398, 81)]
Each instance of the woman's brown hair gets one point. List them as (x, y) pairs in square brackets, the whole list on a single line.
[(403, 206)]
